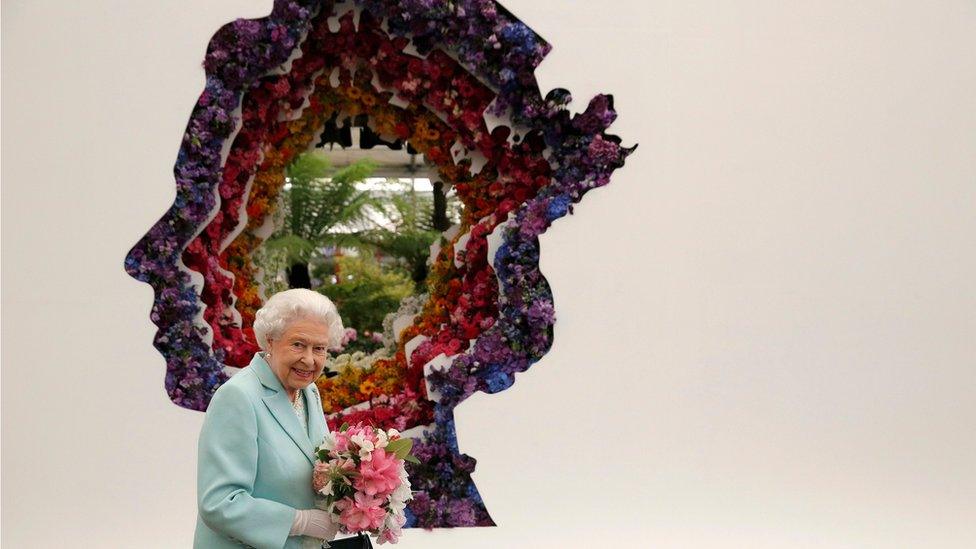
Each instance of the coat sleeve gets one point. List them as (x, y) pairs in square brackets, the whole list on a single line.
[(226, 470)]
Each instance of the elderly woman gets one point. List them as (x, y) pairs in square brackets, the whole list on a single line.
[(257, 445)]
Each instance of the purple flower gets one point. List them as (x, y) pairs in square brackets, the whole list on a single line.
[(493, 46), (460, 512), (541, 312), (604, 152)]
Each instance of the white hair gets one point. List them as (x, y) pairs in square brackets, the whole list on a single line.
[(284, 307)]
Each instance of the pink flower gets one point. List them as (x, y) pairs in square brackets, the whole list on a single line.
[(380, 475), (352, 438), (363, 513), (344, 465), (320, 476), (387, 535), (367, 432), (342, 442)]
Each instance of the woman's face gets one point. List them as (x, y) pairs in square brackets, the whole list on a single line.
[(298, 356)]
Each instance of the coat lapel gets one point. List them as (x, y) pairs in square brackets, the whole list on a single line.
[(281, 408), (316, 425)]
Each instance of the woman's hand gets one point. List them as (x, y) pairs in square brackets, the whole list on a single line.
[(314, 523)]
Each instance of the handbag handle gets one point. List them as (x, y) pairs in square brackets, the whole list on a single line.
[(360, 541)]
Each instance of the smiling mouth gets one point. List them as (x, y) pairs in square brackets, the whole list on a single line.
[(303, 373)]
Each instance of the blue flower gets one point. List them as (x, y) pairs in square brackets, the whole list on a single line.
[(498, 381), (558, 207)]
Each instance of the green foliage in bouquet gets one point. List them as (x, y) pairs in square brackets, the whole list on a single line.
[(401, 448)]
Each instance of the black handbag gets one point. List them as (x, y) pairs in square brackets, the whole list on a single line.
[(359, 541)]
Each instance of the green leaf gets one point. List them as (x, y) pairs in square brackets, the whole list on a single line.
[(343, 428), (400, 447), (394, 445), (412, 459)]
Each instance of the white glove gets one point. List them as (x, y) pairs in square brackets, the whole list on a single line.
[(314, 523)]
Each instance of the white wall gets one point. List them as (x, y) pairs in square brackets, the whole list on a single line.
[(767, 340)]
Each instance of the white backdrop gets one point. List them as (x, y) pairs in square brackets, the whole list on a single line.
[(766, 325)]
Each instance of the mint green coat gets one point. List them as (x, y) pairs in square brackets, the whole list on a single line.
[(255, 462)]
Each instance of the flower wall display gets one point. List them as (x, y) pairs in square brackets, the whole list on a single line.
[(424, 71)]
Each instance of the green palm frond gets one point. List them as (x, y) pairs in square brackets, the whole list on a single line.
[(316, 204), (355, 172), (409, 245), (294, 247)]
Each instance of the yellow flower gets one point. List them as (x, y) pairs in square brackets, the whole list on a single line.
[(367, 387)]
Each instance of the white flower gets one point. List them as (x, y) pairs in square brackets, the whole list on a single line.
[(397, 506), (328, 443), (391, 523), (401, 494), (365, 446)]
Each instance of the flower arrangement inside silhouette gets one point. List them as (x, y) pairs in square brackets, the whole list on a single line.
[(454, 80)]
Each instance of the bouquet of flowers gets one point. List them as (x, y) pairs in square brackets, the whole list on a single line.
[(359, 470)]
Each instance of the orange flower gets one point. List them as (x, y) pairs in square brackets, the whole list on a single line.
[(366, 388)]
